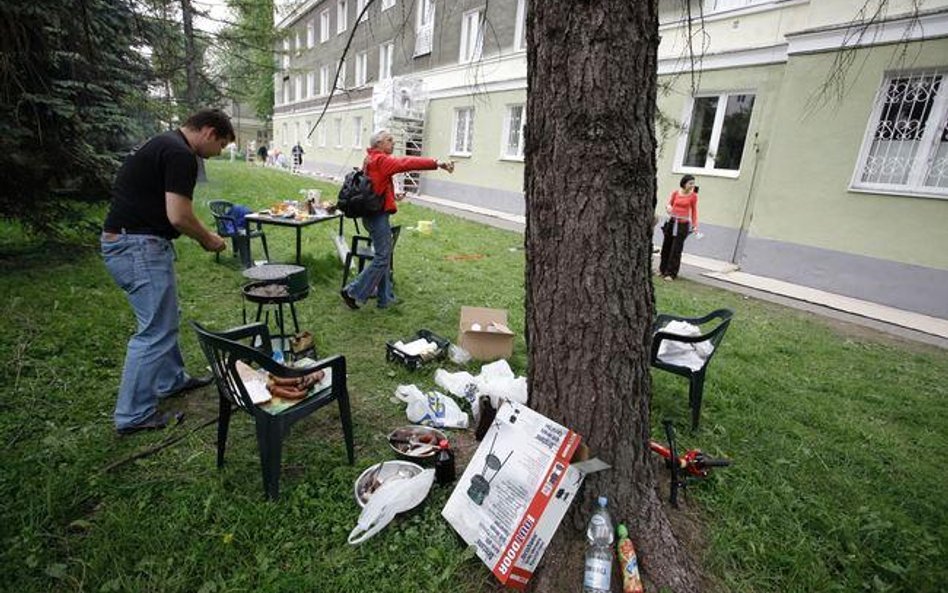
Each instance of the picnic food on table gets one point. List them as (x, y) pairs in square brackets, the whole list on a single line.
[(293, 387)]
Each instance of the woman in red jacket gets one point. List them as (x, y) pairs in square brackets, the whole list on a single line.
[(682, 211), (380, 165)]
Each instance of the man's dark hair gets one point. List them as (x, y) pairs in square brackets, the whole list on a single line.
[(215, 118)]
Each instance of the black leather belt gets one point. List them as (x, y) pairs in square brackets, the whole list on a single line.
[(125, 231)]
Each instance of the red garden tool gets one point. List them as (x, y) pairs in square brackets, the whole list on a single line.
[(687, 468)]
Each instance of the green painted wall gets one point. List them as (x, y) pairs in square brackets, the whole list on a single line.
[(722, 199), (484, 168), (803, 194)]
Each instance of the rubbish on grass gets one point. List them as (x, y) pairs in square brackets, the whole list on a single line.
[(434, 409), (425, 227), (391, 498), (484, 333), (458, 355), (496, 381), (515, 491), (420, 347), (444, 464), (597, 576), (628, 563), (388, 471), (461, 385), (416, 442)]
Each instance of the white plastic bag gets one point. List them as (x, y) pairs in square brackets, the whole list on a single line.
[(390, 499), (434, 409), (497, 381), (458, 355), (683, 353), (461, 385)]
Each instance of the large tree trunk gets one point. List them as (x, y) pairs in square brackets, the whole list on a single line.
[(590, 187)]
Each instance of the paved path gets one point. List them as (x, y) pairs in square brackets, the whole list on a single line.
[(897, 322)]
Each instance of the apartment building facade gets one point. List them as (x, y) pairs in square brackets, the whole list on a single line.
[(840, 184)]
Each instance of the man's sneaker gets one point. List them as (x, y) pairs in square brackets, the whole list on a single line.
[(350, 302)]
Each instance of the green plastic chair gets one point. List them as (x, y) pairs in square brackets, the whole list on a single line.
[(722, 317), (223, 350)]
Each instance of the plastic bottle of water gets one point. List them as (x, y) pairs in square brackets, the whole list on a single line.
[(597, 577)]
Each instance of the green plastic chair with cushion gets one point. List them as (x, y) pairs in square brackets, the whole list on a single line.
[(226, 226), (273, 421)]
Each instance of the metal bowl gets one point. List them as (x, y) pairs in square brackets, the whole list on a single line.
[(381, 473), (403, 439)]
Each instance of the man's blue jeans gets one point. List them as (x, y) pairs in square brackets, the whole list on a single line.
[(143, 266), (377, 277)]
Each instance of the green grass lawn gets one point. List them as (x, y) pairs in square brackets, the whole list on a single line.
[(837, 435)]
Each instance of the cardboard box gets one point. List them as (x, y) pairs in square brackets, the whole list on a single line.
[(515, 491), (484, 333)]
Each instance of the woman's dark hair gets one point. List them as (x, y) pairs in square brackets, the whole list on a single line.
[(215, 118), (684, 181)]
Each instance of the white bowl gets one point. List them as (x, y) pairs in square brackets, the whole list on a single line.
[(390, 470)]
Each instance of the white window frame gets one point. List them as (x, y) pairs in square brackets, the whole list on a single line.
[(324, 80), (424, 27), (286, 91), (286, 53), (386, 4), (361, 68), (467, 53), (360, 5), (504, 141), (928, 145), (321, 134), (341, 76), (310, 33), (286, 135), (310, 84), (520, 27), (308, 140), (342, 16), (298, 86), (324, 26), (357, 131), (468, 140), (386, 56), (337, 126), (708, 169)]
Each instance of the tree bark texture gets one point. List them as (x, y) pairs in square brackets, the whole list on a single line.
[(190, 55), (590, 195)]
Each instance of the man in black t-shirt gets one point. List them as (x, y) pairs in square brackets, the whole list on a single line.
[(151, 206)]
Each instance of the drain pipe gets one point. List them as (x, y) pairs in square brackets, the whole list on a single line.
[(742, 231)]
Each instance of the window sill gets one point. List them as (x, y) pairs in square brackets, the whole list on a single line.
[(511, 159), (725, 173), (902, 193), (461, 155)]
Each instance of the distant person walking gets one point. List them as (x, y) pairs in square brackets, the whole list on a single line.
[(262, 153), (380, 165), (297, 152), (151, 206), (682, 211)]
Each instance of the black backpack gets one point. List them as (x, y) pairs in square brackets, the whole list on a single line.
[(357, 198)]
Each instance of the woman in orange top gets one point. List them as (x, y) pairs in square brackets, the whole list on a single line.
[(682, 211)]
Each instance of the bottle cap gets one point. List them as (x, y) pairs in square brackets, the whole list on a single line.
[(603, 501), (443, 444), (622, 531)]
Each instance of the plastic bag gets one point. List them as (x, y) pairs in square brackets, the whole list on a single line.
[(462, 385), (390, 499), (458, 355), (434, 409), (683, 353), (497, 381)]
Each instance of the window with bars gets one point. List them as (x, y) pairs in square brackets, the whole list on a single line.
[(906, 143), (472, 37), (513, 132), (463, 141), (361, 68), (714, 139)]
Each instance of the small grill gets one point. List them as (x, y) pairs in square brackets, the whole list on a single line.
[(276, 285)]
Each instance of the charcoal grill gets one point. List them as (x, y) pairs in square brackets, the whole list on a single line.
[(276, 285)]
